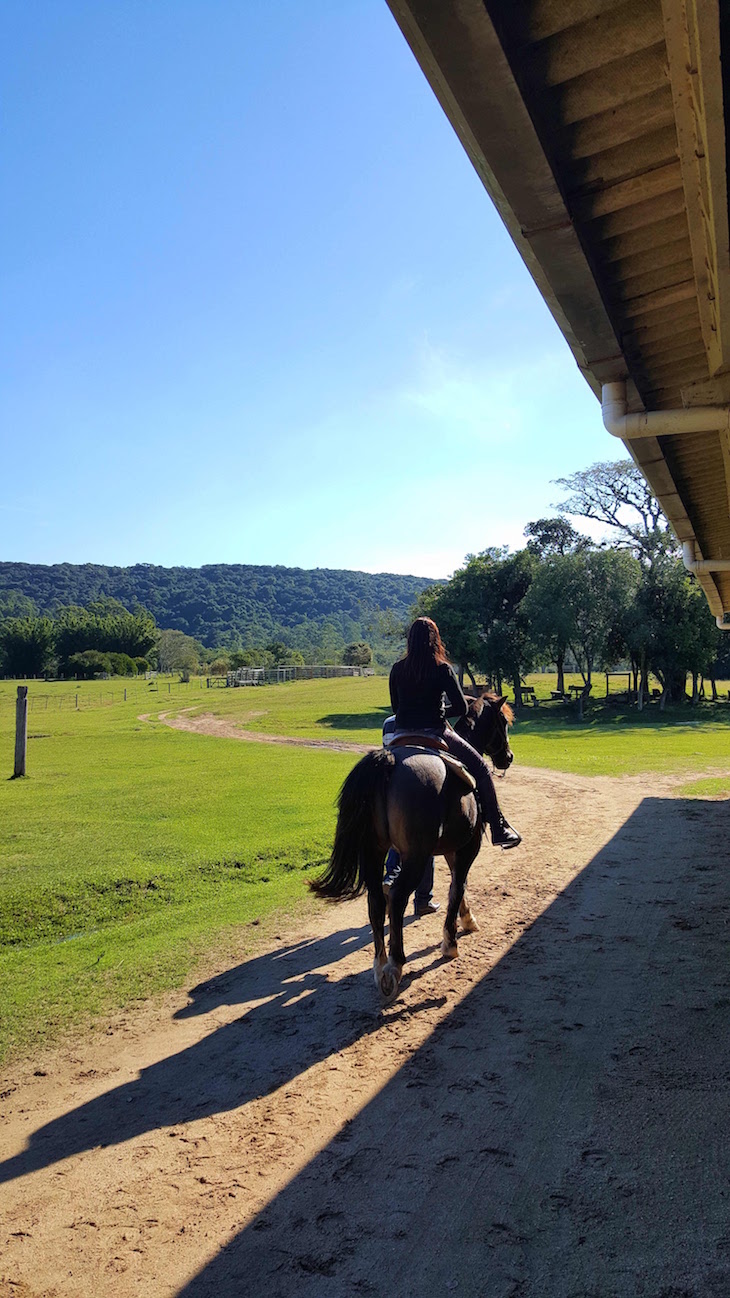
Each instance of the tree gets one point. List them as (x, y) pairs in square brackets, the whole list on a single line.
[(549, 614), (603, 587), (508, 648), (479, 616), (358, 654), (579, 602), (122, 665), (105, 626), (26, 645), (87, 665), (246, 658), (282, 656), (680, 635), (456, 608), (617, 495), (553, 536), (15, 605), (177, 652)]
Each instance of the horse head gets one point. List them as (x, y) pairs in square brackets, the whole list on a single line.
[(486, 726)]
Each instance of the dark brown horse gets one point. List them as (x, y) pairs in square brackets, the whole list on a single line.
[(407, 798)]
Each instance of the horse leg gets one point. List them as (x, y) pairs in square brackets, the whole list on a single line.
[(459, 863), (376, 911), (391, 974), (466, 915)]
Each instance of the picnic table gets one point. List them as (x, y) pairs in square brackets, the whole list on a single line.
[(529, 696), (577, 690)]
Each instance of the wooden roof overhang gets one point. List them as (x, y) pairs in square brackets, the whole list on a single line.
[(598, 129)]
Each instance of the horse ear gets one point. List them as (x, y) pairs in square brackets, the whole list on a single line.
[(501, 701)]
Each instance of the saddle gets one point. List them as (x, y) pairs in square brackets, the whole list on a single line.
[(433, 744)]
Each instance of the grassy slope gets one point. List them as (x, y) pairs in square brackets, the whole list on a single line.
[(131, 848)]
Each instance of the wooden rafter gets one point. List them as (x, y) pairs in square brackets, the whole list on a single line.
[(692, 34)]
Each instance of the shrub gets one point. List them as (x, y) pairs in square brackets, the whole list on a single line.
[(122, 664), (358, 654), (88, 664)]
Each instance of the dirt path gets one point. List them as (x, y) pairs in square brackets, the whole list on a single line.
[(546, 1116), (208, 724)]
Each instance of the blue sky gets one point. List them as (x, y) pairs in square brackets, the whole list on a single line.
[(258, 308)]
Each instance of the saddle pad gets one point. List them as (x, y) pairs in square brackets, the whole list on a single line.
[(418, 740), (459, 769), (430, 746)]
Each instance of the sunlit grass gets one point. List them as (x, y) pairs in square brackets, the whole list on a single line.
[(713, 787), (130, 849)]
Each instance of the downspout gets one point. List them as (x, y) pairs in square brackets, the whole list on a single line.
[(658, 423), (664, 423), (696, 566)]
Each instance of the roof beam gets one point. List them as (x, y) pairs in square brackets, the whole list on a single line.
[(692, 34)]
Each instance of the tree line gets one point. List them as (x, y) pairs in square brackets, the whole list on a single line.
[(564, 599), (232, 607), (567, 598), (103, 639), (106, 639)]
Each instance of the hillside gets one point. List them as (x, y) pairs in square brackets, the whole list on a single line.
[(227, 603)]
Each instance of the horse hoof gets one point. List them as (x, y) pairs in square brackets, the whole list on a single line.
[(389, 982), (449, 949), (378, 966), (469, 924)]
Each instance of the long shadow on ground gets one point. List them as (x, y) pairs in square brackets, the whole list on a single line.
[(356, 720), (221, 1072), (563, 1133)]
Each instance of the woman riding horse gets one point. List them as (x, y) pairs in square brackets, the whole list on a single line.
[(408, 798), (420, 685)]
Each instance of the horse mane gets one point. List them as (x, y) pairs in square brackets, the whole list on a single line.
[(476, 704)]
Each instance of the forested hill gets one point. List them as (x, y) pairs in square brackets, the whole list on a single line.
[(220, 603)]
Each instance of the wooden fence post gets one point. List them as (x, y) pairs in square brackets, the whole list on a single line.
[(21, 730)]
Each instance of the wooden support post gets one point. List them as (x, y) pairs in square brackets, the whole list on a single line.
[(21, 730)]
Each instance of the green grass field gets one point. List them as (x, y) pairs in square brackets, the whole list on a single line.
[(609, 741), (131, 849)]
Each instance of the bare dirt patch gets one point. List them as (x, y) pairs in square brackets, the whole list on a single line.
[(544, 1116), (207, 724)]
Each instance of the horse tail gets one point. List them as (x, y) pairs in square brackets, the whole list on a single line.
[(356, 838)]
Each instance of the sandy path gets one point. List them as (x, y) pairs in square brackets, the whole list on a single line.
[(208, 724), (545, 1116)]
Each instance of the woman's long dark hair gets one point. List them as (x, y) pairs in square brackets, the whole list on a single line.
[(424, 650)]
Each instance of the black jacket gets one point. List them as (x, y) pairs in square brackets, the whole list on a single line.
[(425, 704)]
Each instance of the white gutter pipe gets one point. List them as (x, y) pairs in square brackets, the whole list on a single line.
[(658, 423), (663, 423), (697, 566)]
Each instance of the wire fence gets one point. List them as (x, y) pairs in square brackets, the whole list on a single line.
[(79, 700), (88, 695)]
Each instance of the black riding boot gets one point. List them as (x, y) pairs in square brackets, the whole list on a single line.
[(503, 835)]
